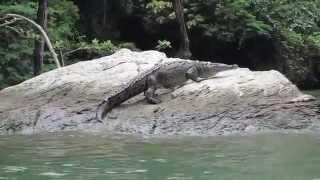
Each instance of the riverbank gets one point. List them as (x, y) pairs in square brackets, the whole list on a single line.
[(235, 101)]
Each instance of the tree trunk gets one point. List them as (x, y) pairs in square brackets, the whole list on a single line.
[(42, 20), (184, 47), (104, 13)]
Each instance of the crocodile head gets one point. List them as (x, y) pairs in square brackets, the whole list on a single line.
[(218, 67), (208, 69)]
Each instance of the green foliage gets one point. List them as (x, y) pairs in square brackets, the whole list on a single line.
[(294, 23), (163, 44), (297, 21), (195, 20), (227, 20), (298, 16), (158, 7), (24, 7), (102, 48), (63, 15), (17, 41), (160, 11), (88, 50), (314, 39), (235, 21), (13, 68)]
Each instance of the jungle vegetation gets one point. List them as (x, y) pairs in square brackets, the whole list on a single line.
[(258, 34)]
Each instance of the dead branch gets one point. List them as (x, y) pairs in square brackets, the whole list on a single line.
[(14, 29), (43, 33), (9, 22), (75, 50)]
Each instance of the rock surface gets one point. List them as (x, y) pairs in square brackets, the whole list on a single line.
[(235, 101)]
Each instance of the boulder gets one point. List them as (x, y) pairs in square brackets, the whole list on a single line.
[(234, 101)]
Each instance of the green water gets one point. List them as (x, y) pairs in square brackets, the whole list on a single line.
[(104, 157), (315, 93), (81, 156)]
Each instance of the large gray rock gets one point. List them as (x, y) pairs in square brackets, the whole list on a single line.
[(237, 100)]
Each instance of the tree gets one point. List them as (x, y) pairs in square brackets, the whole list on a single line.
[(17, 39), (17, 17), (184, 46), (42, 19)]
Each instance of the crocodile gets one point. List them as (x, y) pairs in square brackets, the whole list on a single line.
[(167, 75)]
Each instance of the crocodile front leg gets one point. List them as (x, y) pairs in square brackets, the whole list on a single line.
[(150, 92), (151, 96), (193, 74)]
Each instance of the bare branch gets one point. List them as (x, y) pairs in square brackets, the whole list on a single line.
[(6, 22), (14, 29), (43, 33), (61, 57), (3, 18), (75, 50)]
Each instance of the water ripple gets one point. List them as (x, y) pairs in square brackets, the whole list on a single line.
[(71, 157), (52, 174), (13, 169)]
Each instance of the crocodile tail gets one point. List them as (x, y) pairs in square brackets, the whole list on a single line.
[(134, 87), (115, 100), (102, 110)]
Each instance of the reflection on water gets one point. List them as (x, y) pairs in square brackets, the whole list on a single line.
[(81, 156)]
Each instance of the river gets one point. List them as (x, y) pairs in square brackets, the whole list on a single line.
[(72, 156)]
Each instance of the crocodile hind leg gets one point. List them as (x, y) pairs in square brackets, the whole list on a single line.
[(150, 92), (193, 74), (151, 96)]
